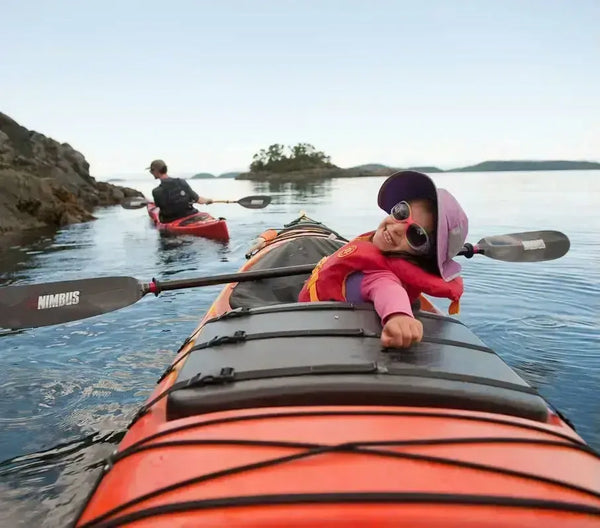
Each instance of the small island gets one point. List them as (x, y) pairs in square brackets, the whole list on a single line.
[(303, 162)]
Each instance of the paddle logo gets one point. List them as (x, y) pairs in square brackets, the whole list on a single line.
[(58, 300), (529, 245), (346, 251)]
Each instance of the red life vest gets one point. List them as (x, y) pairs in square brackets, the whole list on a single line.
[(328, 280)]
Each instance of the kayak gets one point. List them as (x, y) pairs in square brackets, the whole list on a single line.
[(277, 413), (198, 224)]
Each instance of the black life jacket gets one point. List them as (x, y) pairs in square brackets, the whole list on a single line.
[(174, 199)]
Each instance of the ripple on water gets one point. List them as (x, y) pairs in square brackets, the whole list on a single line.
[(61, 476)]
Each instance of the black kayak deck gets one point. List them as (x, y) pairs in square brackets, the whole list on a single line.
[(330, 354)]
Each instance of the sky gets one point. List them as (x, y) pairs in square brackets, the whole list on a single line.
[(205, 85)]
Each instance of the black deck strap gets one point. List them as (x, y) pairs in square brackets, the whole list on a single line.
[(440, 317), (314, 306), (460, 344), (231, 314), (240, 336), (287, 307), (307, 370), (449, 376), (225, 375), (237, 337), (369, 368)]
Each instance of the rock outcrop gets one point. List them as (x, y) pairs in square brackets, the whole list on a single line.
[(44, 182)]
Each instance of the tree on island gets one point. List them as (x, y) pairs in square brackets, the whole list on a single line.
[(303, 156)]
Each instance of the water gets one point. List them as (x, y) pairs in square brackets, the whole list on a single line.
[(69, 390)]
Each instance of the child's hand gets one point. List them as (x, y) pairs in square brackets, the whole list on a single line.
[(401, 331)]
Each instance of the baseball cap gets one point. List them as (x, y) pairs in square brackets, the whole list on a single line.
[(157, 165)]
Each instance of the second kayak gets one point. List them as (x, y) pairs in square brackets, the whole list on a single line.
[(199, 224)]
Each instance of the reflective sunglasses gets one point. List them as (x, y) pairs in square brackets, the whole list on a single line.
[(416, 236)]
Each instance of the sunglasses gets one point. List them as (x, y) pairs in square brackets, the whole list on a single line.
[(416, 236)]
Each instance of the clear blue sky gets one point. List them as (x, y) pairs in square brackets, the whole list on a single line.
[(206, 84)]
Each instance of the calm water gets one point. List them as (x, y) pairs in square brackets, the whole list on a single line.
[(69, 390)]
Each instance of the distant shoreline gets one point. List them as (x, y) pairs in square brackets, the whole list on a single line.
[(373, 170)]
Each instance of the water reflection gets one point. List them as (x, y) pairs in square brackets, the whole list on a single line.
[(295, 192), (18, 250), (178, 254)]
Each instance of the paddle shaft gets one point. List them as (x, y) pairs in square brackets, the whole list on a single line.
[(249, 202), (245, 276)]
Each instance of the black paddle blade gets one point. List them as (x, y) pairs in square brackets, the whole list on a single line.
[(135, 202), (59, 302), (255, 202), (532, 246)]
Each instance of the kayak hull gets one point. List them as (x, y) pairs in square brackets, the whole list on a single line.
[(200, 224), (285, 414)]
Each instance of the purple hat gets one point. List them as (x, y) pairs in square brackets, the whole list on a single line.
[(452, 224)]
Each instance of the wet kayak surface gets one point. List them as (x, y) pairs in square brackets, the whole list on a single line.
[(70, 390)]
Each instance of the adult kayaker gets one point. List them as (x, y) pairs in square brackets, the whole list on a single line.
[(409, 253), (173, 196)]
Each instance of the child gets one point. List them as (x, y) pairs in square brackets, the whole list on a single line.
[(408, 254)]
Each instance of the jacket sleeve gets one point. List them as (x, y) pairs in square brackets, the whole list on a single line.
[(192, 194), (387, 294), (156, 196)]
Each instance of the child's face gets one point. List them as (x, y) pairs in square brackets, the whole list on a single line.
[(390, 236)]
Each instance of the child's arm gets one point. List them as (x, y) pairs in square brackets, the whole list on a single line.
[(391, 302), (386, 292)]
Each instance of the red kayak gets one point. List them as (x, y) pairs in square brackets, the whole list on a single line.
[(278, 414), (198, 224)]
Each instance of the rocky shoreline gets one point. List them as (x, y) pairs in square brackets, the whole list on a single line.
[(47, 183)]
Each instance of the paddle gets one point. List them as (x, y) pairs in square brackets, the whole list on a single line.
[(37, 305), (249, 202), (531, 246)]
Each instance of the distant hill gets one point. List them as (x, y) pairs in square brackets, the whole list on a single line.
[(378, 167), (425, 169), (370, 167), (229, 175), (527, 165), (202, 176)]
